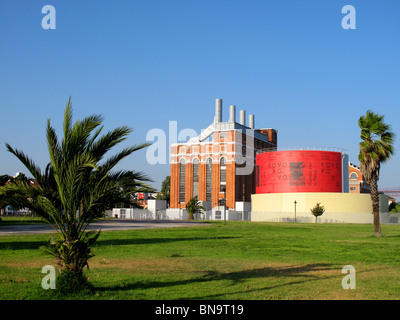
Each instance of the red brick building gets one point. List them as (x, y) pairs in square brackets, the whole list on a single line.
[(211, 166), (357, 183)]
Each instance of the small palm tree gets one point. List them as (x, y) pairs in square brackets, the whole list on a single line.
[(77, 186), (194, 206), (376, 148)]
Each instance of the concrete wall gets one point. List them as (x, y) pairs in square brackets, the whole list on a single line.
[(133, 213), (339, 207), (154, 205)]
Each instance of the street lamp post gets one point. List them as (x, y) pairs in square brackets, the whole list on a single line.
[(244, 199), (295, 202), (224, 202)]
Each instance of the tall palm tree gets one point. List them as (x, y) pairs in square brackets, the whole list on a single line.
[(77, 186), (376, 148)]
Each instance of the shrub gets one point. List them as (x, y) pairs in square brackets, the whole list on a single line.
[(70, 282), (317, 211)]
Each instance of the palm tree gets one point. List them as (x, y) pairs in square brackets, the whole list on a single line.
[(77, 186), (194, 206), (15, 200), (376, 148), (3, 201)]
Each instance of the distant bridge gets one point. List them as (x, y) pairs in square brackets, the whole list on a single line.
[(393, 192)]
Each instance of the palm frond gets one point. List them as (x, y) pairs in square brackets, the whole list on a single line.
[(27, 162), (103, 144)]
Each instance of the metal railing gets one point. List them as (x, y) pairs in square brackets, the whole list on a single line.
[(303, 148)]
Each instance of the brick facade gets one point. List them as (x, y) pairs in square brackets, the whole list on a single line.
[(229, 140), (357, 184)]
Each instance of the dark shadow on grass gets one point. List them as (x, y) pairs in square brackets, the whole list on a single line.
[(139, 241), (23, 245), (236, 277), (385, 236), (6, 223)]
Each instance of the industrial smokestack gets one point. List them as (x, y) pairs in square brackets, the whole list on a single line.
[(251, 121), (218, 110), (242, 119), (232, 113)]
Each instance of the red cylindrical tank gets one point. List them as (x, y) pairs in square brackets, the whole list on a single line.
[(298, 171)]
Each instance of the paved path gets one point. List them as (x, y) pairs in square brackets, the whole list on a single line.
[(108, 225)]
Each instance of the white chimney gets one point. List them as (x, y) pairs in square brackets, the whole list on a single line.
[(232, 113), (251, 121), (218, 110), (242, 118)]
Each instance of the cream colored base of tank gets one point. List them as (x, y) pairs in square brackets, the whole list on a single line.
[(339, 207)]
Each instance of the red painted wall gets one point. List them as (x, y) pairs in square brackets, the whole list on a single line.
[(298, 171)]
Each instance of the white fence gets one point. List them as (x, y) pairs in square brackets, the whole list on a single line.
[(138, 214), (178, 214)]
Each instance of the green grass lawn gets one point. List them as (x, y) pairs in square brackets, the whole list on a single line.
[(240, 260)]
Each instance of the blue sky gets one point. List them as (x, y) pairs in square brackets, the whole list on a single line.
[(145, 63)]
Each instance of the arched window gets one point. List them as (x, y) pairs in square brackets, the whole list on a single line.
[(182, 180), (222, 164), (209, 179), (195, 178), (353, 176)]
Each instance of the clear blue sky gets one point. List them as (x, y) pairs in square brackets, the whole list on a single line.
[(145, 63)]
